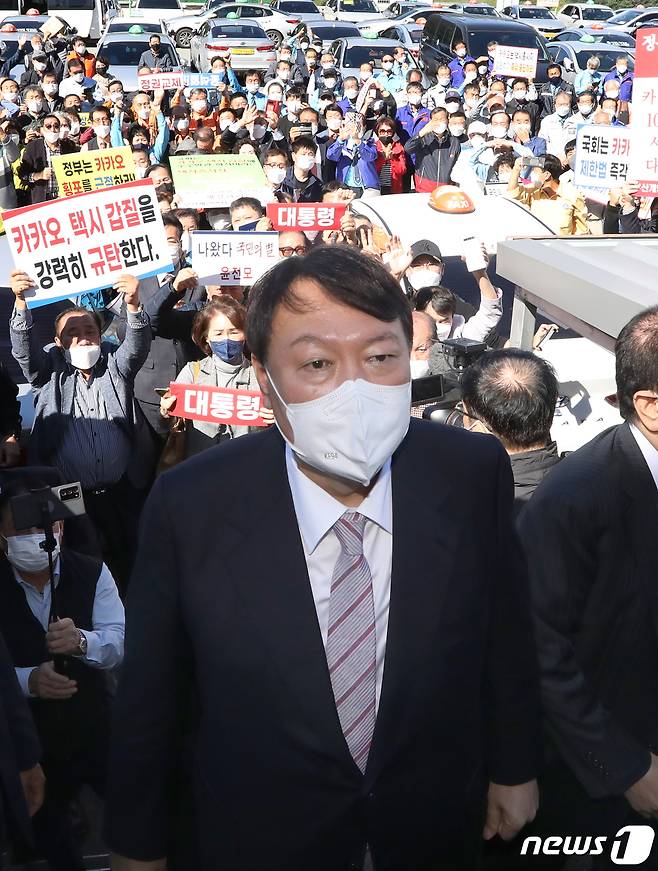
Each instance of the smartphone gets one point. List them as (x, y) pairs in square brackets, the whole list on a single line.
[(160, 390), (533, 162), (273, 106), (475, 259)]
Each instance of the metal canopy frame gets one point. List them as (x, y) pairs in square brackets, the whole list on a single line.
[(590, 284)]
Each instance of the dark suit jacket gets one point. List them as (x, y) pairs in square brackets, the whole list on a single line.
[(590, 536), (34, 160), (225, 603), (19, 749)]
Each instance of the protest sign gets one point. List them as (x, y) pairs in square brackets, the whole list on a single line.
[(218, 404), (88, 171), (83, 243), (232, 258), (306, 216), (644, 118), (515, 61), (602, 159), (215, 180), (160, 81), (203, 80)]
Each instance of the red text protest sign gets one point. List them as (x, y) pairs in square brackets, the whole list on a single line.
[(218, 404), (306, 216), (644, 119), (160, 81)]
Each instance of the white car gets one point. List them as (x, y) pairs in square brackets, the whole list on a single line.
[(275, 24), (630, 19), (540, 18), (249, 46), (350, 10), (584, 14), (153, 10)]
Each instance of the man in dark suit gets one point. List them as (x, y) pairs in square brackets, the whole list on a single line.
[(21, 778), (310, 753), (36, 165), (590, 536)]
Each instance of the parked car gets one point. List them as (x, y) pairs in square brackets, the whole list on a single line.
[(246, 41), (476, 31), (630, 19), (583, 14), (475, 9), (409, 35), (123, 25), (329, 31), (349, 10), (538, 17), (274, 23), (305, 10), (417, 15), (596, 33), (350, 53), (573, 57), (32, 23), (123, 51), (647, 22), (152, 9)]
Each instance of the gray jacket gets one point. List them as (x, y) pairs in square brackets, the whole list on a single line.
[(199, 434), (9, 153), (52, 381)]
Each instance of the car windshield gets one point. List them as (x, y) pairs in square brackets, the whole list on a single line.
[(521, 38), (534, 12), (237, 31), (158, 4), (28, 23), (480, 10), (620, 39), (623, 17), (607, 59), (359, 6), (117, 26), (69, 5), (327, 33), (127, 54), (596, 14), (361, 54), (300, 6)]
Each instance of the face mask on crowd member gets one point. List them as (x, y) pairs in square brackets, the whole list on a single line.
[(499, 125), (585, 105), (225, 340), (426, 270), (460, 49), (520, 91), (173, 234), (142, 106), (333, 119), (423, 340), (342, 405), (79, 338), (414, 95), (275, 168), (50, 86), (563, 106), (350, 89), (443, 76), (622, 66), (23, 548), (9, 91)]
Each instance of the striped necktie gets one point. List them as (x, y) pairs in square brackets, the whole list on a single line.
[(351, 642)]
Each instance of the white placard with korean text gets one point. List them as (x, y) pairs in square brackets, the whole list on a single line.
[(83, 243), (602, 159), (233, 258), (515, 61), (160, 81)]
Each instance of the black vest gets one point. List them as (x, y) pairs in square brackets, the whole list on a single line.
[(65, 727)]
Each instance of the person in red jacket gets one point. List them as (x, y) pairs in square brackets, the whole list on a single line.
[(392, 163)]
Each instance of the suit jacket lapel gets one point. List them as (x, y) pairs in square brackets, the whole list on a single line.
[(276, 579)]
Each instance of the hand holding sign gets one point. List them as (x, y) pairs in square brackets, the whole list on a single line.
[(128, 285), (20, 282)]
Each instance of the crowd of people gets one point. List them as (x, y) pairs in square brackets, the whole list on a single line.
[(355, 639)]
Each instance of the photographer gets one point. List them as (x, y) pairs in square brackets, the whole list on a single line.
[(550, 199), (59, 656), (512, 394)]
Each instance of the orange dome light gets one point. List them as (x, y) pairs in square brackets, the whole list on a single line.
[(451, 201)]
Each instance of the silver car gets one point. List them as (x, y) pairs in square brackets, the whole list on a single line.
[(277, 25), (573, 57), (598, 34), (246, 41), (123, 51), (541, 19), (409, 35), (330, 31), (350, 53), (306, 10)]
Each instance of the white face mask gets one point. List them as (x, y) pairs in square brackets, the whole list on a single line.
[(198, 105), (51, 136), (10, 96), (83, 356), (175, 252), (50, 89), (452, 106), (38, 65), (64, 132), (444, 81), (419, 368), (102, 130), (585, 110), (75, 128), (140, 171), (225, 124), (182, 124), (457, 131), (116, 96), (275, 174), (78, 77), (414, 99), (284, 75), (144, 113), (330, 83), (622, 69), (440, 129), (333, 124), (350, 93), (35, 106), (443, 330), (305, 162), (563, 111), (252, 87), (424, 278), (352, 431), (25, 554)]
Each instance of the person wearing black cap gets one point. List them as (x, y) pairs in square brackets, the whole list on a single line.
[(426, 267), (452, 101)]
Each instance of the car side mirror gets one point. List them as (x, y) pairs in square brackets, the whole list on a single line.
[(568, 63)]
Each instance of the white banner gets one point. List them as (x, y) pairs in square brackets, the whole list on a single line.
[(83, 243), (233, 258), (515, 61), (602, 159)]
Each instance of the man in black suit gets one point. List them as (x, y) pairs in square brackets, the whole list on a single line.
[(312, 559), (21, 778), (590, 537)]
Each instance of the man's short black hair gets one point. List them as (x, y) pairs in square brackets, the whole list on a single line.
[(443, 301), (636, 355), (514, 394), (169, 219), (252, 202), (553, 165), (347, 276)]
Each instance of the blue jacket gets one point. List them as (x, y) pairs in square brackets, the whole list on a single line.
[(362, 157), (408, 123), (625, 84), (456, 66), (259, 99)]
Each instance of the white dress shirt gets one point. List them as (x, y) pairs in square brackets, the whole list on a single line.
[(649, 453), (317, 512), (104, 642)]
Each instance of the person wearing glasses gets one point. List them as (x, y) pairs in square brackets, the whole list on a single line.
[(36, 167), (293, 243)]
